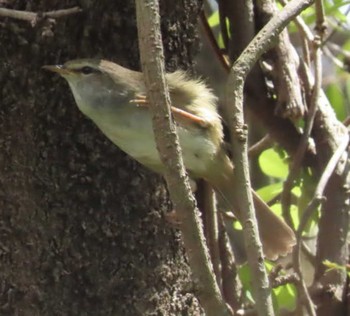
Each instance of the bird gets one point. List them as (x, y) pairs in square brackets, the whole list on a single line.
[(115, 99)]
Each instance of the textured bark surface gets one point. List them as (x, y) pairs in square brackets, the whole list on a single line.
[(82, 228)]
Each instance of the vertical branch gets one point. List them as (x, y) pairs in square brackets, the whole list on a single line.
[(320, 20), (298, 158), (152, 58), (332, 242), (231, 289), (285, 62), (211, 229), (303, 295), (234, 100), (240, 153)]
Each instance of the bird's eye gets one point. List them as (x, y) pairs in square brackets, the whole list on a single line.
[(87, 70)]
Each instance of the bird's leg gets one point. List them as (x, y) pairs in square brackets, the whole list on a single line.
[(142, 101), (187, 116)]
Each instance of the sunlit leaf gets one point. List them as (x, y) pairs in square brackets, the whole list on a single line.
[(336, 98), (285, 296), (269, 192), (333, 266), (272, 164), (246, 279), (214, 19)]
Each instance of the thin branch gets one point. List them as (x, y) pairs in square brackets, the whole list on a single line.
[(284, 59), (304, 29), (307, 36), (231, 287), (277, 279), (239, 130), (328, 53), (303, 294), (331, 167), (302, 26), (33, 16), (311, 208), (335, 28), (211, 229), (298, 158), (346, 122), (263, 144), (234, 100), (152, 58), (266, 37), (332, 243), (310, 257), (223, 25), (320, 20), (213, 43), (318, 196)]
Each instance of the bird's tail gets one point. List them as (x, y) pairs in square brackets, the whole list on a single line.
[(276, 236)]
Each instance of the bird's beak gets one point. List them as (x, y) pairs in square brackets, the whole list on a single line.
[(60, 69)]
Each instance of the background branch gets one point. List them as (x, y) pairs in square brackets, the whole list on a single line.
[(33, 16), (234, 102)]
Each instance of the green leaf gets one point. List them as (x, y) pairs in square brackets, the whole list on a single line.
[(336, 98), (214, 19), (308, 185), (277, 209), (332, 8), (272, 164), (294, 214), (269, 192), (333, 266), (346, 45), (246, 280), (214, 22), (285, 296)]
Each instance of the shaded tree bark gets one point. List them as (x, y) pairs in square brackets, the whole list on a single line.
[(82, 226)]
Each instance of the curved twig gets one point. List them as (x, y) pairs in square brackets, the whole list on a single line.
[(33, 16)]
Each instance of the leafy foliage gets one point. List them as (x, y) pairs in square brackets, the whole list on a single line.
[(274, 162)]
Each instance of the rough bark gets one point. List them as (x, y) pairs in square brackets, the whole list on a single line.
[(82, 226)]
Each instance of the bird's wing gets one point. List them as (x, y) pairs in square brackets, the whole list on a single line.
[(181, 116)]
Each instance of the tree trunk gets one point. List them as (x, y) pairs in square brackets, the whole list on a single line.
[(82, 226)]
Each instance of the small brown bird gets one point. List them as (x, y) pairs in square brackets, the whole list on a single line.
[(114, 98)]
